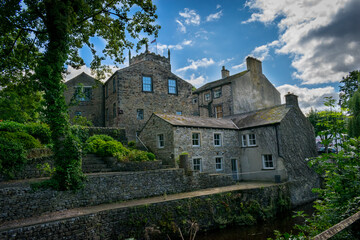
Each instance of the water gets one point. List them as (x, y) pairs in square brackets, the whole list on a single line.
[(260, 231)]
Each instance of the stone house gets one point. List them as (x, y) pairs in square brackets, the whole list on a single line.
[(88, 97), (267, 144), (233, 94)]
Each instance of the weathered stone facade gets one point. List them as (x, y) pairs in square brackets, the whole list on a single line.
[(243, 92), (90, 103)]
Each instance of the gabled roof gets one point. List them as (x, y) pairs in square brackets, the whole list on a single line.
[(200, 122), (220, 82), (262, 117)]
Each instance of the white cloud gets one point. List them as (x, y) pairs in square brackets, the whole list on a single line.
[(203, 34), (262, 52), (308, 98), (218, 6), (204, 62), (190, 17), (181, 27), (241, 65), (196, 81), (162, 47), (214, 16), (223, 62), (322, 36), (72, 72)]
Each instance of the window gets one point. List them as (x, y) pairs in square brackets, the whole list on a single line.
[(196, 139), (114, 85), (218, 164), (197, 164), (114, 110), (217, 139), (194, 100), (267, 161), (77, 114), (83, 94), (207, 96), (107, 114), (147, 84), (252, 140), (172, 86), (244, 140), (248, 140), (218, 112), (217, 93), (160, 139), (140, 114), (178, 112)]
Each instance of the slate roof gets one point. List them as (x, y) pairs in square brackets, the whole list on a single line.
[(200, 122), (261, 117), (220, 82)]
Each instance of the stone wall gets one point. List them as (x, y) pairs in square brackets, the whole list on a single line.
[(130, 96), (239, 207), (19, 200)]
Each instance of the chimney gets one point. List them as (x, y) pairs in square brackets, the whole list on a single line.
[(291, 100), (254, 65), (224, 72)]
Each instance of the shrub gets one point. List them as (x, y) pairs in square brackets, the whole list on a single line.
[(109, 148), (132, 144), (136, 156), (10, 126), (12, 157), (22, 138), (81, 132), (39, 131), (103, 137)]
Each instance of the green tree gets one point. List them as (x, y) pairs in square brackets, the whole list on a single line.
[(348, 86), (20, 104), (354, 121), (40, 37)]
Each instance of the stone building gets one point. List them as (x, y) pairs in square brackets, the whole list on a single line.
[(86, 96), (233, 94), (267, 144)]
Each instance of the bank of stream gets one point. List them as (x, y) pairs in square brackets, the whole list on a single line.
[(260, 231)]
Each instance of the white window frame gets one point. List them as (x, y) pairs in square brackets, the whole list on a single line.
[(179, 113), (172, 89), (199, 139), (217, 93), (160, 142), (221, 164), (264, 161), (243, 140), (199, 165), (146, 84), (207, 97), (250, 144), (220, 139)]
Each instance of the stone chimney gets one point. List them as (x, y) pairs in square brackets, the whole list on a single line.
[(291, 100), (224, 72), (254, 65)]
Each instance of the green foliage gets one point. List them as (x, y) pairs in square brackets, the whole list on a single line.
[(46, 169), (81, 121), (103, 137), (348, 86), (12, 156), (80, 132), (354, 121), (22, 138), (132, 144), (137, 156)]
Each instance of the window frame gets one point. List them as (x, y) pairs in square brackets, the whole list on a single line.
[(160, 142), (244, 140), (220, 139), (179, 113), (143, 83), (216, 111), (175, 87), (249, 140), (267, 161), (139, 110), (221, 164), (84, 97), (199, 165), (209, 97), (217, 93), (198, 139)]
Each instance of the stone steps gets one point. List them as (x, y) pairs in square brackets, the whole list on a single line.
[(94, 164)]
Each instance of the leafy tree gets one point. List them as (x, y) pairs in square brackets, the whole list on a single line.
[(20, 103), (40, 37), (354, 121), (348, 86)]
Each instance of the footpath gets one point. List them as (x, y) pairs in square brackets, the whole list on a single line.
[(76, 212)]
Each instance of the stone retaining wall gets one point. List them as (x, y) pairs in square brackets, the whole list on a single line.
[(20, 201), (241, 207)]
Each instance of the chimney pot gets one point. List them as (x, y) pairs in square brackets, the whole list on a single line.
[(224, 72), (291, 100)]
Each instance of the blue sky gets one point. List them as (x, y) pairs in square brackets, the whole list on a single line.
[(306, 46)]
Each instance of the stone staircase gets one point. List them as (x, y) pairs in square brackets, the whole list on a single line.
[(94, 164)]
